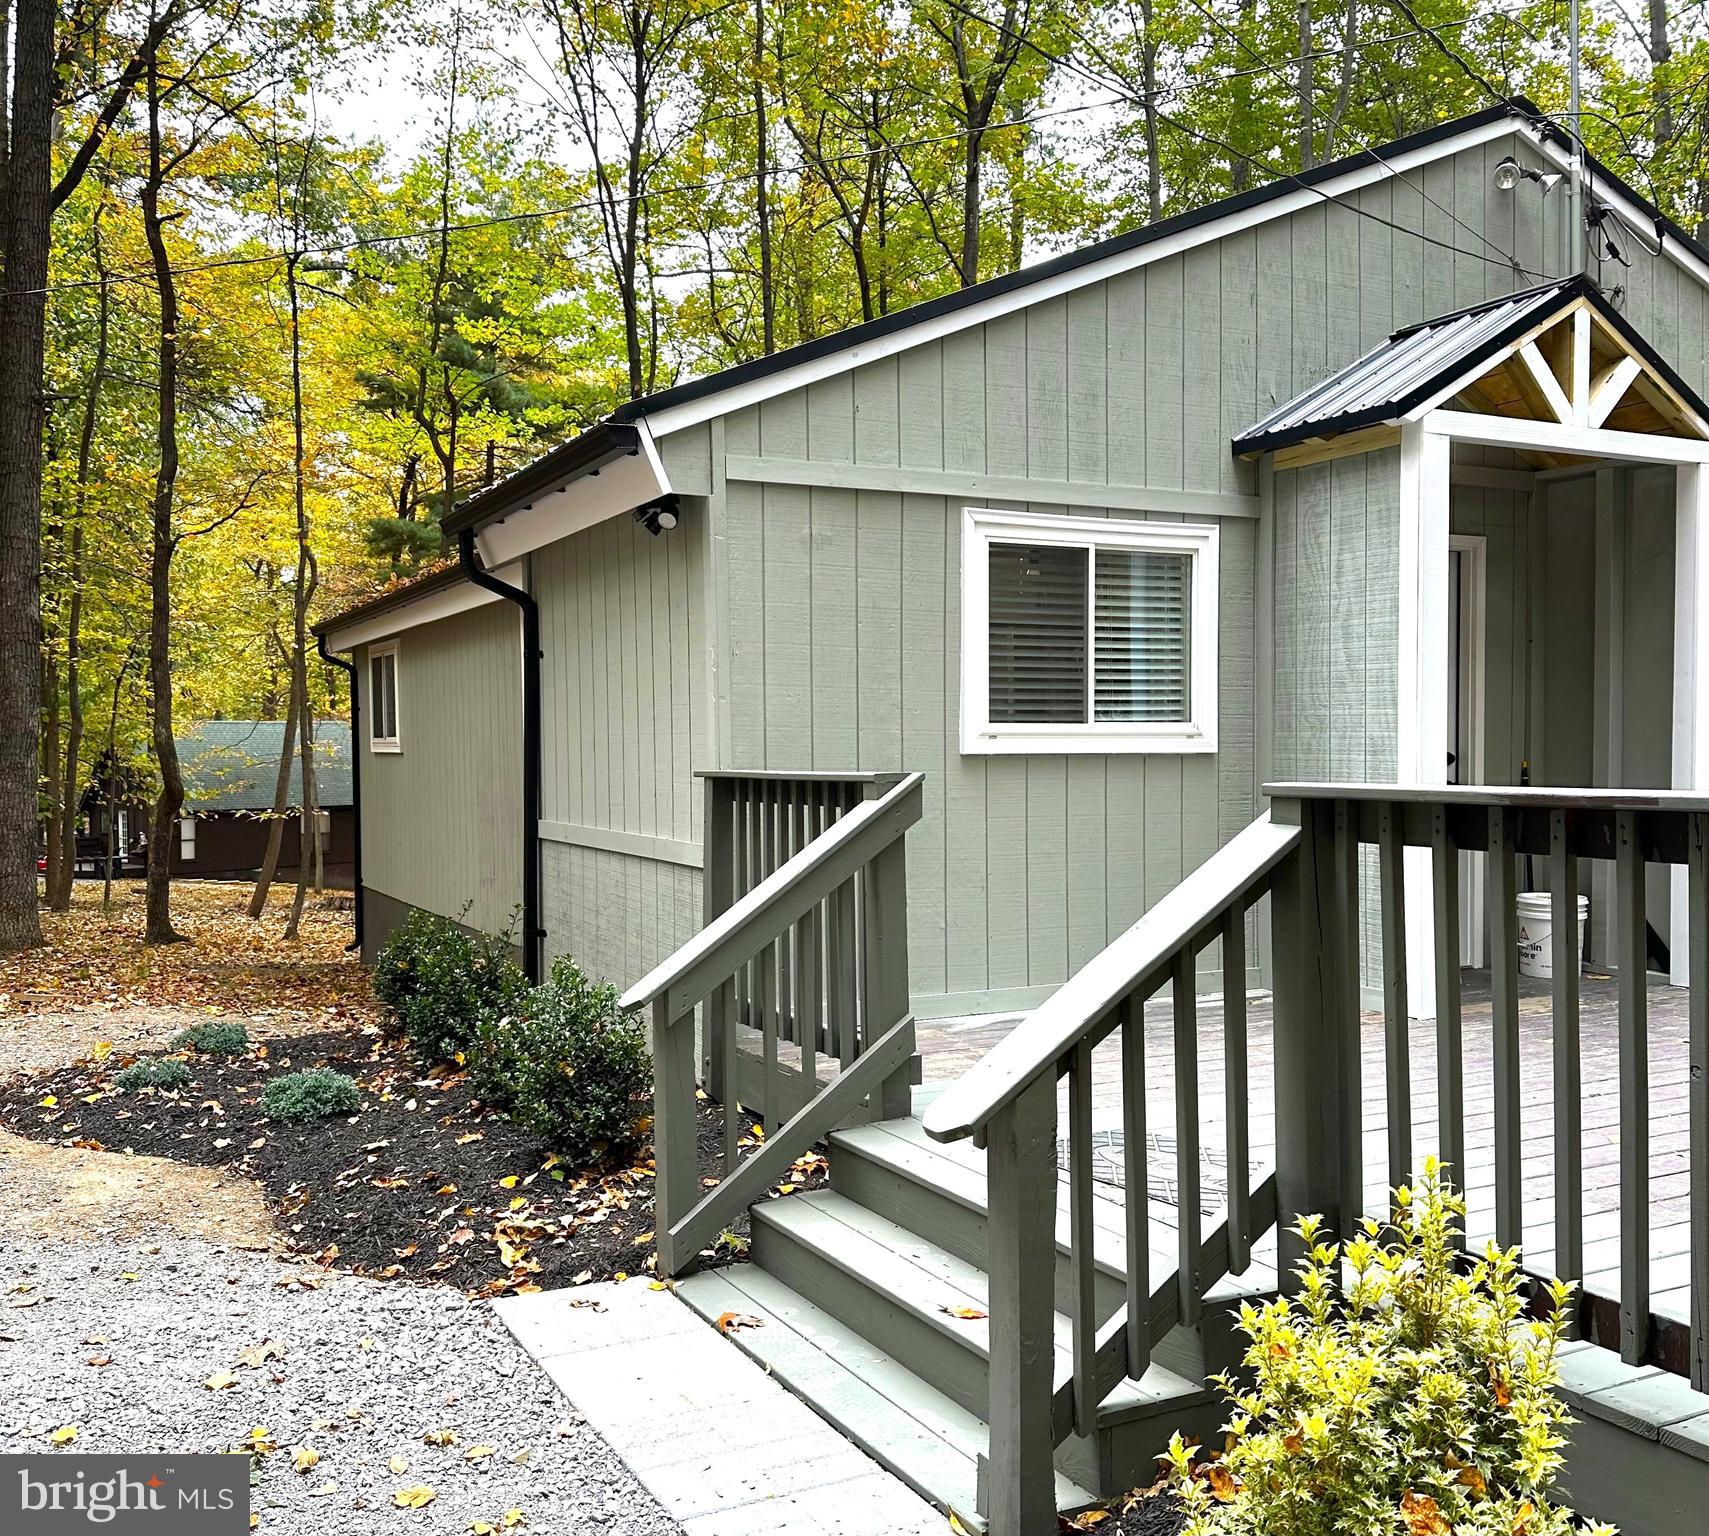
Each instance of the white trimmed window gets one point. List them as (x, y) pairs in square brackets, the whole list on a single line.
[(383, 698), (1083, 634), (186, 838)]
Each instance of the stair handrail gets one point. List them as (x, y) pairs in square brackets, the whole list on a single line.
[(1083, 1008), (866, 841), (1008, 1102), (682, 979)]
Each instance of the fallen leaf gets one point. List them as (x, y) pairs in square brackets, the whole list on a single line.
[(1221, 1482), (305, 1458), (64, 1435), (100, 1359), (729, 1322), (1423, 1516), (477, 1452), (439, 1437), (418, 1496), (399, 1465), (966, 1314), (258, 1355), (220, 1380)]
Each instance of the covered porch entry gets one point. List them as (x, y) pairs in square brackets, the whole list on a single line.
[(1486, 570)]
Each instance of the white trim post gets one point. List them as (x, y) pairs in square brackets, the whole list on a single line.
[(1422, 684), (1690, 677)]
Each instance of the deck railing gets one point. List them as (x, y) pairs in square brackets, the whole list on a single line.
[(1557, 828), (805, 954), (1306, 856)]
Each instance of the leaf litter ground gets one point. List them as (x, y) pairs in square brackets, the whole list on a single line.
[(423, 1182)]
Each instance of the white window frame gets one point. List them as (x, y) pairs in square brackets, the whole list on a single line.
[(394, 742), (983, 526), (186, 839)]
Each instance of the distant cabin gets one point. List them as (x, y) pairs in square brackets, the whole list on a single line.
[(230, 770), (1333, 479)]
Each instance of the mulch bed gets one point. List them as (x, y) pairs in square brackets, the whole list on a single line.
[(1154, 1512), (423, 1182)]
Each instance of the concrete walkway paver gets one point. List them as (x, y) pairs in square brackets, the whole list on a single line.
[(722, 1446)]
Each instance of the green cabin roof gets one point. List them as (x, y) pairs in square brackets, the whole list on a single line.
[(231, 765)]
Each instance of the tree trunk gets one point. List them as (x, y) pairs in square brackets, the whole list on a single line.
[(49, 769), (762, 188), (1661, 50), (158, 927), (302, 594), (27, 195), (1307, 90), (281, 803), (59, 898)]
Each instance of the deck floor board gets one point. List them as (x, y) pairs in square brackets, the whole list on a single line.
[(950, 1046)]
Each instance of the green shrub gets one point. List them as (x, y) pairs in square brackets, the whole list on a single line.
[(567, 1064), (312, 1095), (215, 1038), (152, 1072), (439, 982), (1415, 1397)]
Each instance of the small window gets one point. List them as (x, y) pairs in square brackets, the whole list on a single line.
[(383, 699), (1087, 635), (186, 838)]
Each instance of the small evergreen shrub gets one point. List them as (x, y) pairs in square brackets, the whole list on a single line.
[(439, 982), (566, 1063), (215, 1038), (1416, 1398), (314, 1094), (152, 1072)]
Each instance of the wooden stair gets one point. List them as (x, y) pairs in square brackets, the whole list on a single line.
[(857, 1290)]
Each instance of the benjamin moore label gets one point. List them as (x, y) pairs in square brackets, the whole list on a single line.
[(166, 1495)]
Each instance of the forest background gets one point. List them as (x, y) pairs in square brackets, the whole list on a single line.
[(283, 281)]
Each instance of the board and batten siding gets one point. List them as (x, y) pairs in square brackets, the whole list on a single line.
[(442, 819), (838, 608), (623, 719)]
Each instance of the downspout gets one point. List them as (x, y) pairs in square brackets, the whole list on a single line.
[(532, 932), (349, 669)]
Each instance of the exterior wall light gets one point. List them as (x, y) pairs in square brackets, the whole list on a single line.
[(659, 516), (1509, 173)]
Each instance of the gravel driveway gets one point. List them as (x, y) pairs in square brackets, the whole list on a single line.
[(367, 1371)]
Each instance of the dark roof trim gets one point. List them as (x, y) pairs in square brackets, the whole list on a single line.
[(584, 454), (1562, 296), (1069, 261), (436, 581)]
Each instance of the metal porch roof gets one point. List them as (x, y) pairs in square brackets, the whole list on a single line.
[(1405, 370)]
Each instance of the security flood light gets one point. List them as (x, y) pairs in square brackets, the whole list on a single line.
[(1509, 173), (658, 516)]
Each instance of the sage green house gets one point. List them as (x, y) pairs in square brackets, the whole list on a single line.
[(1032, 540), (1289, 601)]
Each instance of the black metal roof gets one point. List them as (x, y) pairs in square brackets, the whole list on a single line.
[(1420, 360)]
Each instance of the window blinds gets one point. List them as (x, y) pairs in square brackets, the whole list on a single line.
[(1038, 647), (1143, 622), (1136, 664)]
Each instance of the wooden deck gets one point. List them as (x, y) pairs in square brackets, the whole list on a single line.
[(950, 1046)]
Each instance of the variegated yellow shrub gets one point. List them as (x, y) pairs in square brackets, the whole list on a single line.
[(1411, 1394)]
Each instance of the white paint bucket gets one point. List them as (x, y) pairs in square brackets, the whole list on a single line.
[(1536, 932)]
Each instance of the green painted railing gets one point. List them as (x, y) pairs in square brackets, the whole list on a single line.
[(805, 953), (1305, 856)]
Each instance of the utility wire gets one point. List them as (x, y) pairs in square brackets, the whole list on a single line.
[(1124, 95)]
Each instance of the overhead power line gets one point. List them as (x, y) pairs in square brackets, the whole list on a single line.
[(1124, 94)]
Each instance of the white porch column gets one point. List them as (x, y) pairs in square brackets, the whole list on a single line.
[(1422, 698), (1690, 673)]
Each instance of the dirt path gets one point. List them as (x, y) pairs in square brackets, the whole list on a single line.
[(43, 1042), (98, 1197)]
